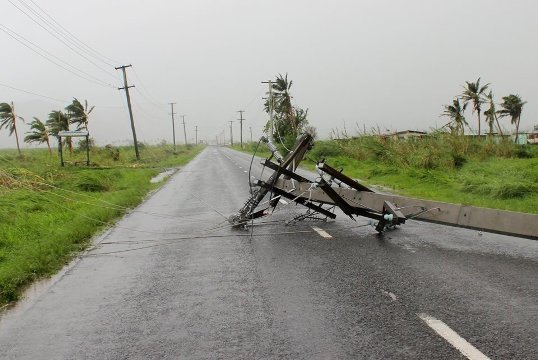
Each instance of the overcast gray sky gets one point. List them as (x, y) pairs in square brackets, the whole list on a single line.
[(391, 64)]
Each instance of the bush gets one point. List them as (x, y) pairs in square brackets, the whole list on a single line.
[(92, 182), (112, 152), (323, 149)]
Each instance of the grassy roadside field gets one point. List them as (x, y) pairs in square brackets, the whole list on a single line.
[(48, 214), (444, 168)]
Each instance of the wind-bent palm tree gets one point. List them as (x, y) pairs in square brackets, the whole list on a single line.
[(39, 133), (474, 93), (79, 115), (491, 114), (455, 113), (282, 101), (512, 106), (8, 119), (59, 121)]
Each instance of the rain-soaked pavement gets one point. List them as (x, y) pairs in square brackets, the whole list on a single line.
[(172, 280)]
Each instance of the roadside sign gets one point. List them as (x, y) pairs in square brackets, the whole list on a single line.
[(72, 133)]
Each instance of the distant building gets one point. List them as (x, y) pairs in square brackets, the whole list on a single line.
[(407, 134)]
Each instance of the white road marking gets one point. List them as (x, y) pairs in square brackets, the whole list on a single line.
[(322, 232), (389, 294), (245, 171), (453, 338), (283, 201)]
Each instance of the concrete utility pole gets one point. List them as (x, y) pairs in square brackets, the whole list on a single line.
[(231, 134), (270, 108), (196, 132), (126, 88), (173, 125), (241, 126), (250, 128), (184, 131)]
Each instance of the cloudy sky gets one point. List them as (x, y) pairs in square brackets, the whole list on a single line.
[(354, 64)]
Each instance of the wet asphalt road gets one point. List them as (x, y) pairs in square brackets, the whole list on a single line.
[(172, 280)]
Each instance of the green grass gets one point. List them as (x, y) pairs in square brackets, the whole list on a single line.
[(444, 168), (42, 228)]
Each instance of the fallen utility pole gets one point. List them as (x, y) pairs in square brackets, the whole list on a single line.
[(173, 125), (126, 88), (332, 189)]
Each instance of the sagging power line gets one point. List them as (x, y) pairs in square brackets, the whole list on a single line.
[(40, 24)]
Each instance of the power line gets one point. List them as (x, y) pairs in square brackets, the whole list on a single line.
[(153, 100), (62, 41), (59, 32), (18, 37), (74, 37), (32, 93)]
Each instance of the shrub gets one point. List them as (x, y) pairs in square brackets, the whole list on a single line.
[(112, 152), (92, 182)]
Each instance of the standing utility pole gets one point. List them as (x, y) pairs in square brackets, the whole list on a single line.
[(250, 128), (196, 132), (126, 88), (241, 124), (231, 134), (184, 131), (173, 125)]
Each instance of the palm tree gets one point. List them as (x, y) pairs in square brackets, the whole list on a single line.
[(512, 106), (456, 113), (474, 93), (79, 115), (59, 121), (491, 114), (8, 120), (39, 134), (282, 101)]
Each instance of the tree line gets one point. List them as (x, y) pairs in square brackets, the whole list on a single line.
[(40, 132), (477, 96)]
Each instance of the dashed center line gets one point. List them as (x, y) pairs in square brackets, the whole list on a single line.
[(322, 232), (453, 338), (389, 294)]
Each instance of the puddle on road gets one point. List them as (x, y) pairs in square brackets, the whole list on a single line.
[(166, 173)]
